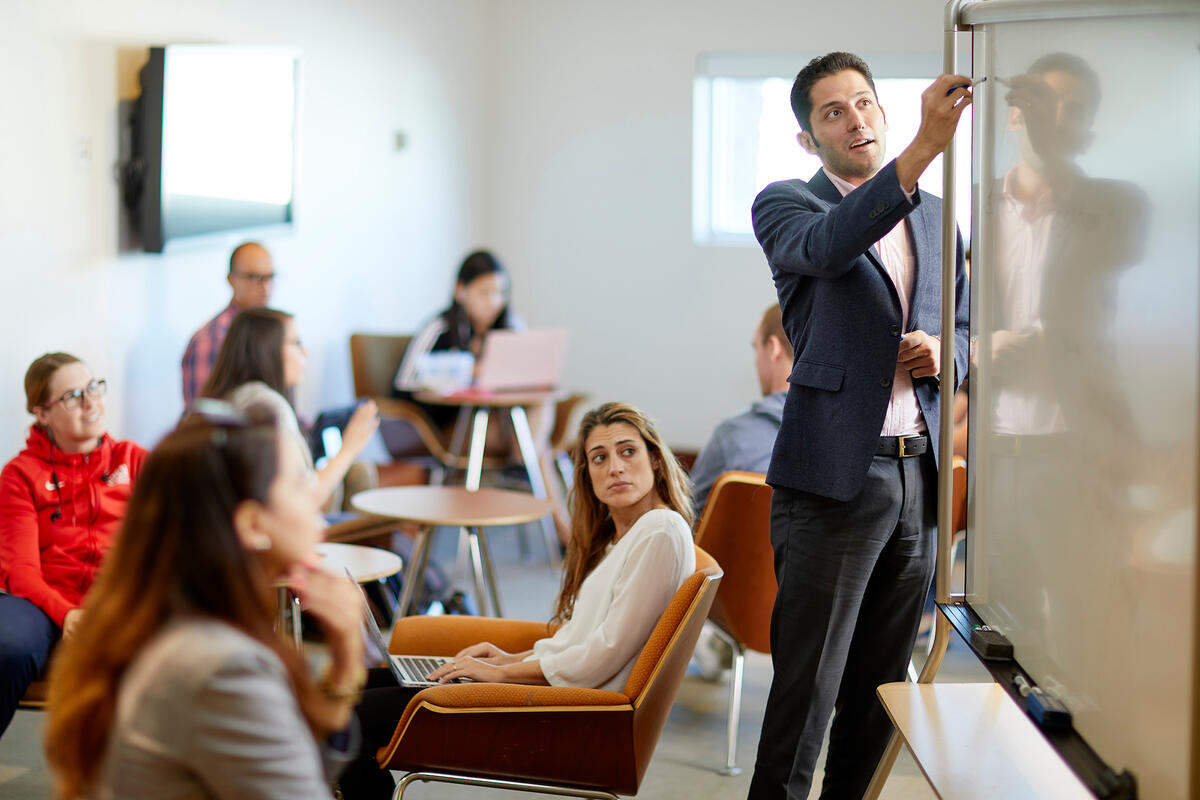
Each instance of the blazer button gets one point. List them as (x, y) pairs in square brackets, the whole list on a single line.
[(885, 382), (895, 329)]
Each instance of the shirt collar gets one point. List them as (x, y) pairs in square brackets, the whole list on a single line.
[(841, 184)]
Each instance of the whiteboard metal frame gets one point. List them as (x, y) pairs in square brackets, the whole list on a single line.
[(964, 16)]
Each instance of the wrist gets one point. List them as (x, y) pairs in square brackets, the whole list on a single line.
[(343, 684), (346, 651)]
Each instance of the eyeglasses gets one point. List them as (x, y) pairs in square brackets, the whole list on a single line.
[(71, 400), (255, 277)]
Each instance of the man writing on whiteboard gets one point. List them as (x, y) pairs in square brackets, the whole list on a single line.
[(855, 253)]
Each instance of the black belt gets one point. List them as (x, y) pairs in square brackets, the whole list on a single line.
[(902, 446)]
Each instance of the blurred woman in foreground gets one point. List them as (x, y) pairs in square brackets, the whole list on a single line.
[(178, 686)]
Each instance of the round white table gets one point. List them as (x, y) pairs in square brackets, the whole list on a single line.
[(454, 506), (363, 564)]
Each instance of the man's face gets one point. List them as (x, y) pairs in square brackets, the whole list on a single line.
[(252, 278), (1055, 113), (848, 126)]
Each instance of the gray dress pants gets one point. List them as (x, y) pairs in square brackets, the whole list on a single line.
[(853, 576)]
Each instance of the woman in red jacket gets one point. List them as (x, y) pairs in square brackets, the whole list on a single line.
[(61, 502)]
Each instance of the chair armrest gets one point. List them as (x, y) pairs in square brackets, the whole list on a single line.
[(510, 695), (446, 635)]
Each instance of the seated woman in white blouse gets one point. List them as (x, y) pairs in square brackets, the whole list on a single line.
[(630, 551)]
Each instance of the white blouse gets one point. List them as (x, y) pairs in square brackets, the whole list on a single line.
[(619, 604)]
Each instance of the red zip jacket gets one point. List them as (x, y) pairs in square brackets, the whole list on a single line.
[(50, 556)]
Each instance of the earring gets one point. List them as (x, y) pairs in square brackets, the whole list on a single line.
[(259, 542)]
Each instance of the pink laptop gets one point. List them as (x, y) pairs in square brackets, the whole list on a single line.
[(521, 360)]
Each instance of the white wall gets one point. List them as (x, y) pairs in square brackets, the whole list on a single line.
[(377, 233), (591, 194), (556, 131)]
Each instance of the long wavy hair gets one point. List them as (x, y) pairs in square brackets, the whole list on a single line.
[(252, 351), (177, 554), (592, 527)]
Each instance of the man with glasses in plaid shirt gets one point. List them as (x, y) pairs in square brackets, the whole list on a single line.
[(251, 274)]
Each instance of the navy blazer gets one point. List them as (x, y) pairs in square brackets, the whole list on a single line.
[(843, 318)]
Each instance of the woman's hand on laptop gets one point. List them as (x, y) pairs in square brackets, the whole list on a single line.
[(489, 654), (471, 669)]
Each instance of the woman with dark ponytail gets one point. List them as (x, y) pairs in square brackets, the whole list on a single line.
[(479, 305)]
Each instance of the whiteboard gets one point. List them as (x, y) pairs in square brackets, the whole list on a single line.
[(1085, 302)]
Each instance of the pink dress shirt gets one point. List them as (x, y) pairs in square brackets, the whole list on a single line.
[(903, 417)]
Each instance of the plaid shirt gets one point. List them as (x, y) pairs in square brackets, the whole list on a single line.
[(201, 353)]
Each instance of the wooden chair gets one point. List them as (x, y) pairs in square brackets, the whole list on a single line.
[(374, 359), (736, 529), (560, 443), (546, 739)]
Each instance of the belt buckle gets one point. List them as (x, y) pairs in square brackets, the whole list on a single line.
[(900, 440)]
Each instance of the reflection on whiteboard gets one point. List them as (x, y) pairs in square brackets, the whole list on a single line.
[(1084, 376)]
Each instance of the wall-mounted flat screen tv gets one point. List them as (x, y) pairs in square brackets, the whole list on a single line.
[(216, 137)]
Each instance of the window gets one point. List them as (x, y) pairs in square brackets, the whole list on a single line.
[(745, 136)]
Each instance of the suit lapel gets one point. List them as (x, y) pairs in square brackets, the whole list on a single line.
[(822, 187)]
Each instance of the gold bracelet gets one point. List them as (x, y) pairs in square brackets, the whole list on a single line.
[(349, 692)]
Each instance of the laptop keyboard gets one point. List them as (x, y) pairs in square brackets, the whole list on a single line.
[(416, 669)]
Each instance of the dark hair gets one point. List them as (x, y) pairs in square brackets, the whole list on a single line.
[(458, 325), (178, 553), (823, 67), (252, 351), (1077, 68), (592, 526), (39, 374)]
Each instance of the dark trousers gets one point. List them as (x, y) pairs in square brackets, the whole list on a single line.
[(382, 706), (26, 637), (852, 579)]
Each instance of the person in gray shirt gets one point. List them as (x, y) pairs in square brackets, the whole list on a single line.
[(744, 441)]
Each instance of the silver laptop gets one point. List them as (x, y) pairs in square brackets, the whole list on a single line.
[(408, 670), (516, 360)]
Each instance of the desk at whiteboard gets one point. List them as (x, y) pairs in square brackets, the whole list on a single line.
[(972, 741)]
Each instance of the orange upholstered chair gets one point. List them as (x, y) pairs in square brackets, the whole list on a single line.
[(35, 696), (548, 739), (736, 529)]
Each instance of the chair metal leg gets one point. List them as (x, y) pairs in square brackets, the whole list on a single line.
[(735, 700), (533, 467), (497, 783), (566, 469)]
